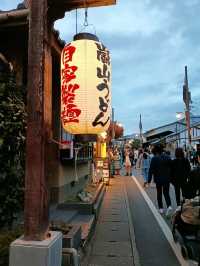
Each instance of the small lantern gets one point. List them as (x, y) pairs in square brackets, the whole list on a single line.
[(85, 86), (103, 150)]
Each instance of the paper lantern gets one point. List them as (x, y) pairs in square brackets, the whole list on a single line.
[(85, 86), (103, 150)]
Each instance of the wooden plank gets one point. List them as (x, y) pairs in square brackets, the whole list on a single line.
[(59, 7), (73, 4), (13, 15)]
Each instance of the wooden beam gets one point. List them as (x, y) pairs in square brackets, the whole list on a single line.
[(56, 45), (73, 4), (14, 15), (57, 8)]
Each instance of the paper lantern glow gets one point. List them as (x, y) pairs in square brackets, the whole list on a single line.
[(85, 86)]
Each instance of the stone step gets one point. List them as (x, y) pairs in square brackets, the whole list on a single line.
[(86, 208), (64, 216), (86, 222)]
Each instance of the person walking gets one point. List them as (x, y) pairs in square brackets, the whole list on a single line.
[(111, 161), (131, 156), (116, 160), (180, 171), (139, 160), (193, 157), (160, 170), (145, 164), (127, 162), (135, 156)]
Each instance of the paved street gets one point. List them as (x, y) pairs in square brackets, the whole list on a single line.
[(130, 231), (112, 242), (162, 223), (152, 245)]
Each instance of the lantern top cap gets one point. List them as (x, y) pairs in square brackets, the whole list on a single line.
[(86, 36)]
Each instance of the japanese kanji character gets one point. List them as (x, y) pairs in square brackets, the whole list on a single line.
[(68, 73), (69, 87), (68, 97), (103, 54), (103, 106), (70, 114), (67, 54), (103, 73), (104, 86), (97, 122)]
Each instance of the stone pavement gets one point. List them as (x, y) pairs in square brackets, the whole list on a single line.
[(113, 243)]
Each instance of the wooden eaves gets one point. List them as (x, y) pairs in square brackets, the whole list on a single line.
[(57, 8), (73, 4), (20, 17), (14, 16)]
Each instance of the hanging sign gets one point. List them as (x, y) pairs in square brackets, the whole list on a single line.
[(85, 86)]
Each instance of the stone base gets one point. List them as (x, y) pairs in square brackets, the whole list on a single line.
[(37, 253)]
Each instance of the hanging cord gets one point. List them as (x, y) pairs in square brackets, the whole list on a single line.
[(86, 18), (86, 24), (76, 151), (76, 21)]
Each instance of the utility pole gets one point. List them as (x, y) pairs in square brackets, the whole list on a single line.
[(187, 101), (140, 128), (113, 123)]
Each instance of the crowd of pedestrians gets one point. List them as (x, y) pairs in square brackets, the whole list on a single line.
[(164, 171), (157, 165)]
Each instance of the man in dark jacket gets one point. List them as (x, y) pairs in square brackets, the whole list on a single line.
[(180, 172), (160, 169)]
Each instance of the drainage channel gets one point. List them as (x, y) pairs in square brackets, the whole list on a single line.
[(131, 230), (111, 244)]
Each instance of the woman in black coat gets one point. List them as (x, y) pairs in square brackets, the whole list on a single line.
[(180, 171)]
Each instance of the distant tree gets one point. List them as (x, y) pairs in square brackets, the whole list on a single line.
[(12, 147), (136, 144), (118, 131)]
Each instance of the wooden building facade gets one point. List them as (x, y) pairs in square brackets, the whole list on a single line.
[(33, 48), (14, 29)]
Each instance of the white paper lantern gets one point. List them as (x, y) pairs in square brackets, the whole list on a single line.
[(85, 86)]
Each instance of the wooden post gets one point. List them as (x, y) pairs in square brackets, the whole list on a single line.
[(39, 105), (39, 122)]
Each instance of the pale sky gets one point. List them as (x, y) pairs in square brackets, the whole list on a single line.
[(150, 43)]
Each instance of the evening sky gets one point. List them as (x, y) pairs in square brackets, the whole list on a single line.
[(150, 43)]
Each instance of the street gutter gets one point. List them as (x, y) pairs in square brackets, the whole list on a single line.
[(132, 231)]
